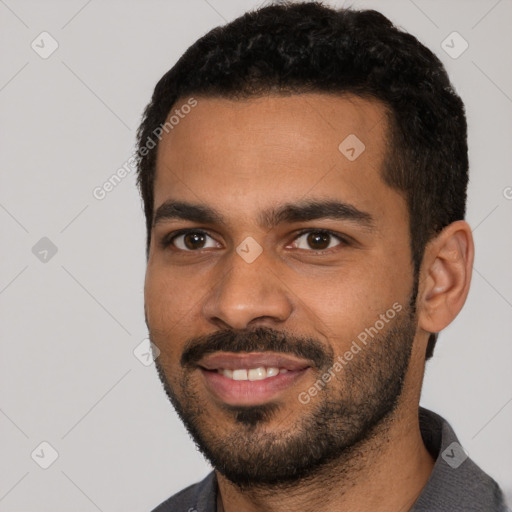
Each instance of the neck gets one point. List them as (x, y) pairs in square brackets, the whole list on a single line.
[(383, 473)]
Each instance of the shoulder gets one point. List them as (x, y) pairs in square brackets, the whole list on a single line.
[(456, 482), (198, 497)]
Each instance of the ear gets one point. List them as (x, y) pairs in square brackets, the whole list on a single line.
[(445, 276)]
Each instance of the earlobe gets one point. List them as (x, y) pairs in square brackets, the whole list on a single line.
[(447, 267)]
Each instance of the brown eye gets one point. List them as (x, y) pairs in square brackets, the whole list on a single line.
[(193, 241), (317, 240)]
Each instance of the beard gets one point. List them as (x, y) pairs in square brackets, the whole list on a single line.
[(353, 408)]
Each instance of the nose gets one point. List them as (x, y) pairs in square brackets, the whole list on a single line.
[(248, 295)]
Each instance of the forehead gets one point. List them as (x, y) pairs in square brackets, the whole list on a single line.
[(263, 149)]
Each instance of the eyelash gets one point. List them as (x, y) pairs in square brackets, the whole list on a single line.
[(168, 240)]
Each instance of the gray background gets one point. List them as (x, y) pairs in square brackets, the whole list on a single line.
[(69, 325)]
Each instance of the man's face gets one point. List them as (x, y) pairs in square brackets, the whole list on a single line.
[(295, 257)]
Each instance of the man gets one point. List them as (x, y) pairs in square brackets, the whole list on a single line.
[(304, 173)]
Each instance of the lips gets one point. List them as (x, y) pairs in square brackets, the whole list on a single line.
[(252, 378), (232, 361)]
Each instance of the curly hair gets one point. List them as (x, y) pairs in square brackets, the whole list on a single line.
[(309, 47)]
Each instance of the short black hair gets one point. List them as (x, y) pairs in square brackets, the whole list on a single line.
[(309, 47)]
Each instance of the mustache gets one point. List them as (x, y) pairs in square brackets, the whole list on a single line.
[(262, 339)]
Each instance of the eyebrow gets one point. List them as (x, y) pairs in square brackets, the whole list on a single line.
[(290, 212)]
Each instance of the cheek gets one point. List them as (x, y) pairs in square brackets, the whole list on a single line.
[(341, 307), (169, 296), (169, 304), (342, 304)]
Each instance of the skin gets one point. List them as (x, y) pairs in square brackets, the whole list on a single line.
[(243, 157)]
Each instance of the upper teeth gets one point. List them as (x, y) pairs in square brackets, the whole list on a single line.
[(251, 373)]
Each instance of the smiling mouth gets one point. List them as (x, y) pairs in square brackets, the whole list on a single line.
[(250, 378), (251, 374)]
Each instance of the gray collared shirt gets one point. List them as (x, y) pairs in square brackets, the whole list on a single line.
[(456, 483)]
